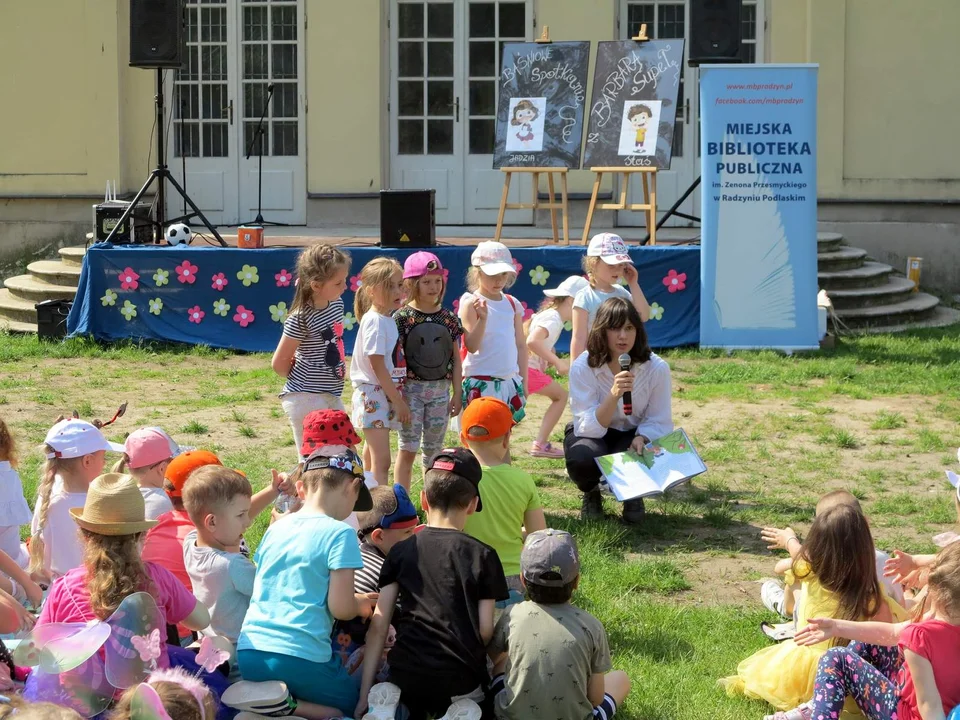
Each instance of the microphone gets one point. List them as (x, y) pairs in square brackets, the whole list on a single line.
[(269, 87), (624, 361)]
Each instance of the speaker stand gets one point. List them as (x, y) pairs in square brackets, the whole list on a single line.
[(160, 174), (674, 211)]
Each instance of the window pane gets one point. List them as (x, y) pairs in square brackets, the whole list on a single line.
[(483, 60), (482, 136), (254, 95), (213, 26), (513, 20), (483, 97), (252, 141), (636, 16), (411, 20), (283, 22), (192, 25), (440, 59), (284, 61), (255, 23), (440, 97), (214, 102), (410, 95), (483, 22), (215, 140), (285, 138), (188, 101), (440, 137), (440, 20), (410, 55), (189, 144), (285, 101), (678, 139), (255, 62), (410, 136), (748, 52), (214, 62), (748, 22), (670, 22), (191, 70)]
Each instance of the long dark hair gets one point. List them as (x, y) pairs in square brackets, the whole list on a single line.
[(841, 554), (613, 314)]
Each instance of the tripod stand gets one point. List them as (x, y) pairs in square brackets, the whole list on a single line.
[(674, 211), (258, 138), (161, 173)]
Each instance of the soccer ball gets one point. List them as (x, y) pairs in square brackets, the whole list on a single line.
[(178, 234)]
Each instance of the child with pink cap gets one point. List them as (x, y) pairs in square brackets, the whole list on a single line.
[(429, 334), (147, 453)]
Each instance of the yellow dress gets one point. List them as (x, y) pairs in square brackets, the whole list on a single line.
[(783, 674)]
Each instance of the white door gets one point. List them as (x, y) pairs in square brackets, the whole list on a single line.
[(666, 19), (444, 62), (235, 53)]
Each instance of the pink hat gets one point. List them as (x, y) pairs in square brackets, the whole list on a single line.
[(146, 447), (420, 264)]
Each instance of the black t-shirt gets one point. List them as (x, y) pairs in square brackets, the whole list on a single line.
[(443, 575)]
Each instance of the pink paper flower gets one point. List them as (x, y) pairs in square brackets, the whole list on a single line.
[(527, 312), (220, 281), (446, 276), (243, 316), (195, 314), (517, 265), (456, 305), (129, 279), (283, 278), (187, 272), (675, 281), (355, 282)]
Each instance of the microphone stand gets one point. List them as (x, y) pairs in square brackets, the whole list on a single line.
[(258, 138)]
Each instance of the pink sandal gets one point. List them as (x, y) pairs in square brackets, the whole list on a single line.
[(546, 450), (801, 712)]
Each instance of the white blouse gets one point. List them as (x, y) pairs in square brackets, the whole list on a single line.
[(652, 415)]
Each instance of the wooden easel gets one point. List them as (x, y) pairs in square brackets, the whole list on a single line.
[(648, 175), (552, 205)]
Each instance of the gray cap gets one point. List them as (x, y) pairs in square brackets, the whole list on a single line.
[(550, 558)]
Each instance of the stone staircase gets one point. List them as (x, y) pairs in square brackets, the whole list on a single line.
[(45, 280), (866, 295)]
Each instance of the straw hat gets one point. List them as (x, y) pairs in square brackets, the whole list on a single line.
[(114, 506)]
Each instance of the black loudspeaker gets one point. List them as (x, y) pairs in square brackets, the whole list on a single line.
[(408, 218), (156, 33), (714, 31)]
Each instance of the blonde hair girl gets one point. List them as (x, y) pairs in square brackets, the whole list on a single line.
[(182, 697), (75, 452), (14, 512), (495, 363), (377, 368), (310, 352), (429, 335)]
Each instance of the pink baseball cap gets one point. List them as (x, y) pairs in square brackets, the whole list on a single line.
[(610, 248), (146, 447), (420, 264)]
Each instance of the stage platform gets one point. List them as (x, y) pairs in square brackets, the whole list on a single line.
[(238, 299)]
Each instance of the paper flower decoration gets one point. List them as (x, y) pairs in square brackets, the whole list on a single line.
[(278, 312), (538, 276), (656, 312), (284, 278), (349, 320), (568, 326), (161, 277), (129, 310), (675, 281), (110, 298), (527, 312), (355, 282), (248, 275), (187, 272), (195, 314), (517, 266), (129, 280), (221, 307), (156, 305), (219, 282), (244, 317)]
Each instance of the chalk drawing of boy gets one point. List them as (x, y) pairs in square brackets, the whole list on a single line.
[(639, 117)]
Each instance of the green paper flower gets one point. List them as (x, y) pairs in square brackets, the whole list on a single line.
[(109, 299), (568, 325), (538, 276), (161, 277), (220, 307), (656, 312), (129, 310), (349, 321), (278, 312), (248, 275), (156, 305)]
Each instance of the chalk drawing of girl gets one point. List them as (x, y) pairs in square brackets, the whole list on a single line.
[(524, 113)]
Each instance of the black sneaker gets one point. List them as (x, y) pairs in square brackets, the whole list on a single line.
[(592, 508), (633, 511)]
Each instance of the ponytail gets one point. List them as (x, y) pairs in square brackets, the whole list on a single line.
[(120, 466), (361, 302), (50, 469)]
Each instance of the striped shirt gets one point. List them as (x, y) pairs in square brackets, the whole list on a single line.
[(319, 365), (367, 578)]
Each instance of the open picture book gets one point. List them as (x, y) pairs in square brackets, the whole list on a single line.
[(665, 462)]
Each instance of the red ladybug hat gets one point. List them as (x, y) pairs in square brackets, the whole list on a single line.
[(327, 427)]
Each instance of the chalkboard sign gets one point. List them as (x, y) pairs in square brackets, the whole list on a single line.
[(634, 104), (543, 91)]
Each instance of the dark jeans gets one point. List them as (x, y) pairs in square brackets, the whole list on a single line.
[(429, 696), (580, 454)]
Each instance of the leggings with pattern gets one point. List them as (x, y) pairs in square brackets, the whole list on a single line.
[(867, 673)]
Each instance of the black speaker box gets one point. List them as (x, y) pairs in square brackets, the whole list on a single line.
[(408, 218), (156, 33), (714, 31)]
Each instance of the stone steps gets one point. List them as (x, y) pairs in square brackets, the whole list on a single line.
[(14, 326), (917, 308), (826, 242), (46, 280), (72, 256), (16, 308), (870, 274), (896, 290), (33, 289), (55, 272), (843, 258)]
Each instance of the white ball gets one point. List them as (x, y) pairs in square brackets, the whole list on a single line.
[(178, 234)]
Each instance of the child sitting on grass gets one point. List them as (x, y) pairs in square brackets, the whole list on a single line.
[(509, 495), (552, 658), (447, 584), (146, 456)]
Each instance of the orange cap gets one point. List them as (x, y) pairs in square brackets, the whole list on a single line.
[(486, 418), (185, 463)]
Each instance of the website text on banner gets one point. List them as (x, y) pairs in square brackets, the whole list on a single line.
[(759, 203)]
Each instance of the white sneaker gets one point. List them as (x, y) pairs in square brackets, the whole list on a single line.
[(271, 698), (463, 709), (801, 712), (771, 594), (382, 701)]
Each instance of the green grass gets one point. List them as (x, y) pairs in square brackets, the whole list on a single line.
[(195, 428), (888, 421)]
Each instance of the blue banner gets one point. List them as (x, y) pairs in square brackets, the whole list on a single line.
[(759, 206)]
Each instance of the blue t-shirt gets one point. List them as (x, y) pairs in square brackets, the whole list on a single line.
[(288, 612)]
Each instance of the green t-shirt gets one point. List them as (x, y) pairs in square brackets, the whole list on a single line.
[(507, 493), (552, 651)]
